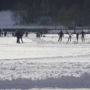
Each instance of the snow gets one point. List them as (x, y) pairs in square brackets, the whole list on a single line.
[(44, 58), (45, 48)]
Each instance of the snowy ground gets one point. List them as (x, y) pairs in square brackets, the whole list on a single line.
[(44, 63)]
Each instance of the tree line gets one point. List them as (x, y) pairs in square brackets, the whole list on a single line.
[(49, 12)]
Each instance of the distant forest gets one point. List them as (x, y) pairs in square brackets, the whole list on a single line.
[(49, 12)]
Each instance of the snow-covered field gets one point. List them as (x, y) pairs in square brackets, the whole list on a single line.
[(44, 63)]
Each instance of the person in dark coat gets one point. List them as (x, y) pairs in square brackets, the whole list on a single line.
[(26, 34), (5, 33), (0, 33), (77, 36), (83, 36), (38, 34), (13, 34), (61, 34), (19, 35)]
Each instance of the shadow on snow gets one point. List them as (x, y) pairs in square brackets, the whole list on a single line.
[(63, 82)]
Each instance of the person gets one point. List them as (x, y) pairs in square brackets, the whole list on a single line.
[(83, 36), (0, 33), (77, 36), (5, 33), (38, 34), (41, 34), (19, 35), (61, 34), (70, 37), (13, 34), (26, 34)]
